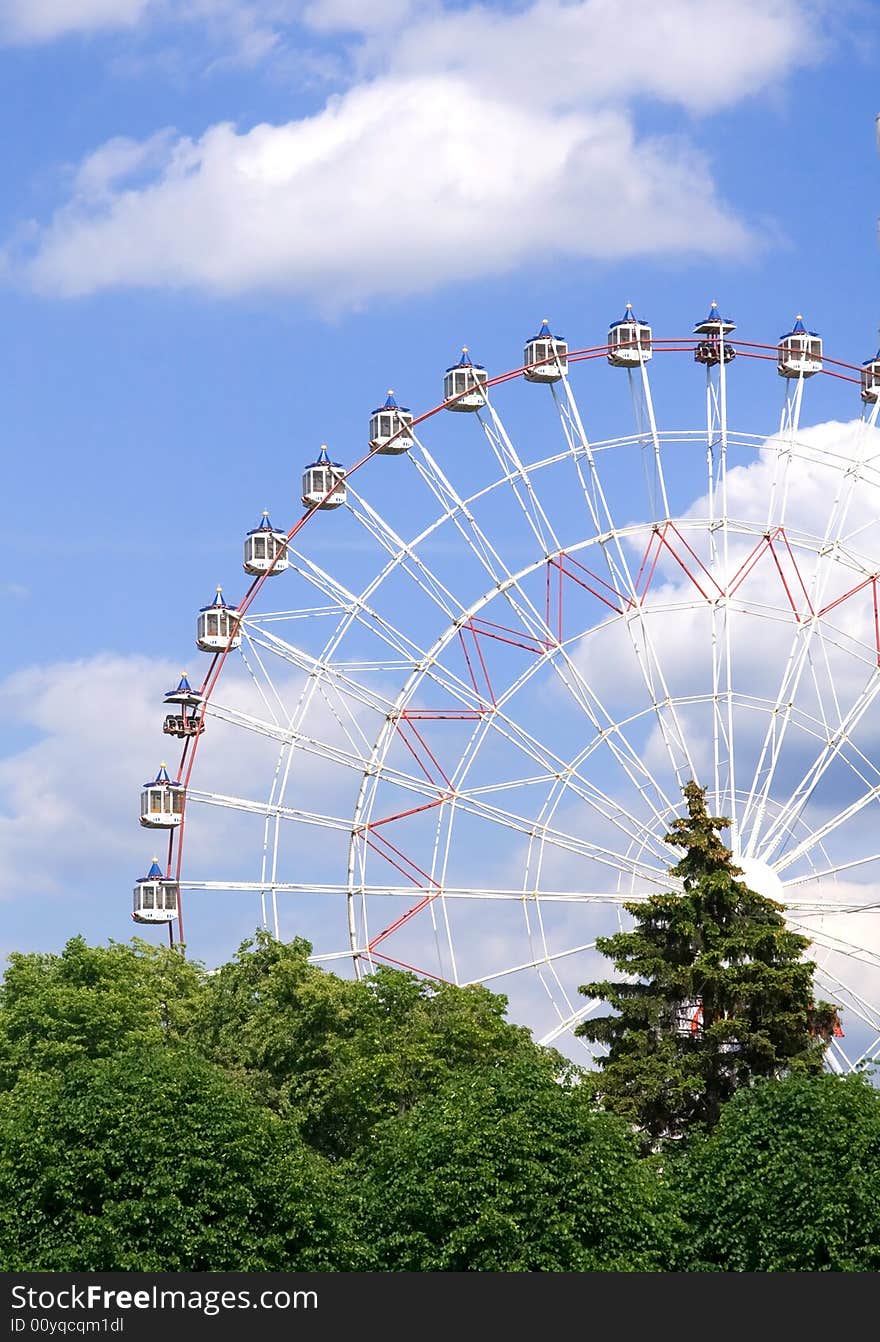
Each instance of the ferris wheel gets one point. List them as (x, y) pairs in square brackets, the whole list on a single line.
[(448, 724)]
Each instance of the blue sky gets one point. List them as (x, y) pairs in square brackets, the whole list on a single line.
[(229, 225)]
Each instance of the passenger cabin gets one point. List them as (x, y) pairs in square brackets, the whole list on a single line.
[(629, 341), (184, 724), (871, 379), (162, 802), (265, 549), (714, 348), (545, 357), (391, 428), (155, 897), (218, 626), (323, 483), (464, 386), (186, 721), (799, 353)]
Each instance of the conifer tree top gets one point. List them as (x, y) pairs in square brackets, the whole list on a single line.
[(697, 833)]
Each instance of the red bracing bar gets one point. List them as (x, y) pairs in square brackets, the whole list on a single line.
[(854, 591), (594, 586), (402, 964), (442, 714), (404, 815), (414, 752), (406, 874), (659, 539), (767, 543), (514, 636)]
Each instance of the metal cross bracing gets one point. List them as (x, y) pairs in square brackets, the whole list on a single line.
[(478, 729)]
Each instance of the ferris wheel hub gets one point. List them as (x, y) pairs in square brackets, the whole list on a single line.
[(761, 878)]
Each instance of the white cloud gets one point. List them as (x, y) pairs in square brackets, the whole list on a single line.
[(69, 799), (356, 16), (43, 20), (393, 188), (556, 53), (477, 140)]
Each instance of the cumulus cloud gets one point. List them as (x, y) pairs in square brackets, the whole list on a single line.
[(68, 798), (474, 140), (35, 21), (554, 53), (353, 16), (388, 190)]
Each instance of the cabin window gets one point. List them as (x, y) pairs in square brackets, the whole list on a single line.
[(170, 898), (177, 801), (147, 897), (259, 547)]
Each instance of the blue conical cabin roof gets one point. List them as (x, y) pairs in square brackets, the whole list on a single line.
[(465, 361), (391, 404), (713, 316), (628, 316), (323, 459), (218, 603), (798, 329), (265, 526)]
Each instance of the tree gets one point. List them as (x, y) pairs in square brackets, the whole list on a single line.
[(342, 1055), (718, 992), (157, 1161), (509, 1169), (92, 1001), (788, 1181)]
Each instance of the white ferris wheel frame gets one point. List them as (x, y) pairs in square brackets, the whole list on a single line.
[(761, 824)]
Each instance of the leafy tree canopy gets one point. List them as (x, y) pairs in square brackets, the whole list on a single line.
[(92, 1001), (789, 1181), (345, 1054), (156, 1161), (507, 1170)]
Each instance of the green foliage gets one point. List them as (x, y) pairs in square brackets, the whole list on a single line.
[(156, 1161), (90, 1002), (273, 1117), (717, 946), (343, 1055), (789, 1181), (507, 1170)]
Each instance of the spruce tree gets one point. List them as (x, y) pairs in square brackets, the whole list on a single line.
[(717, 992)]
